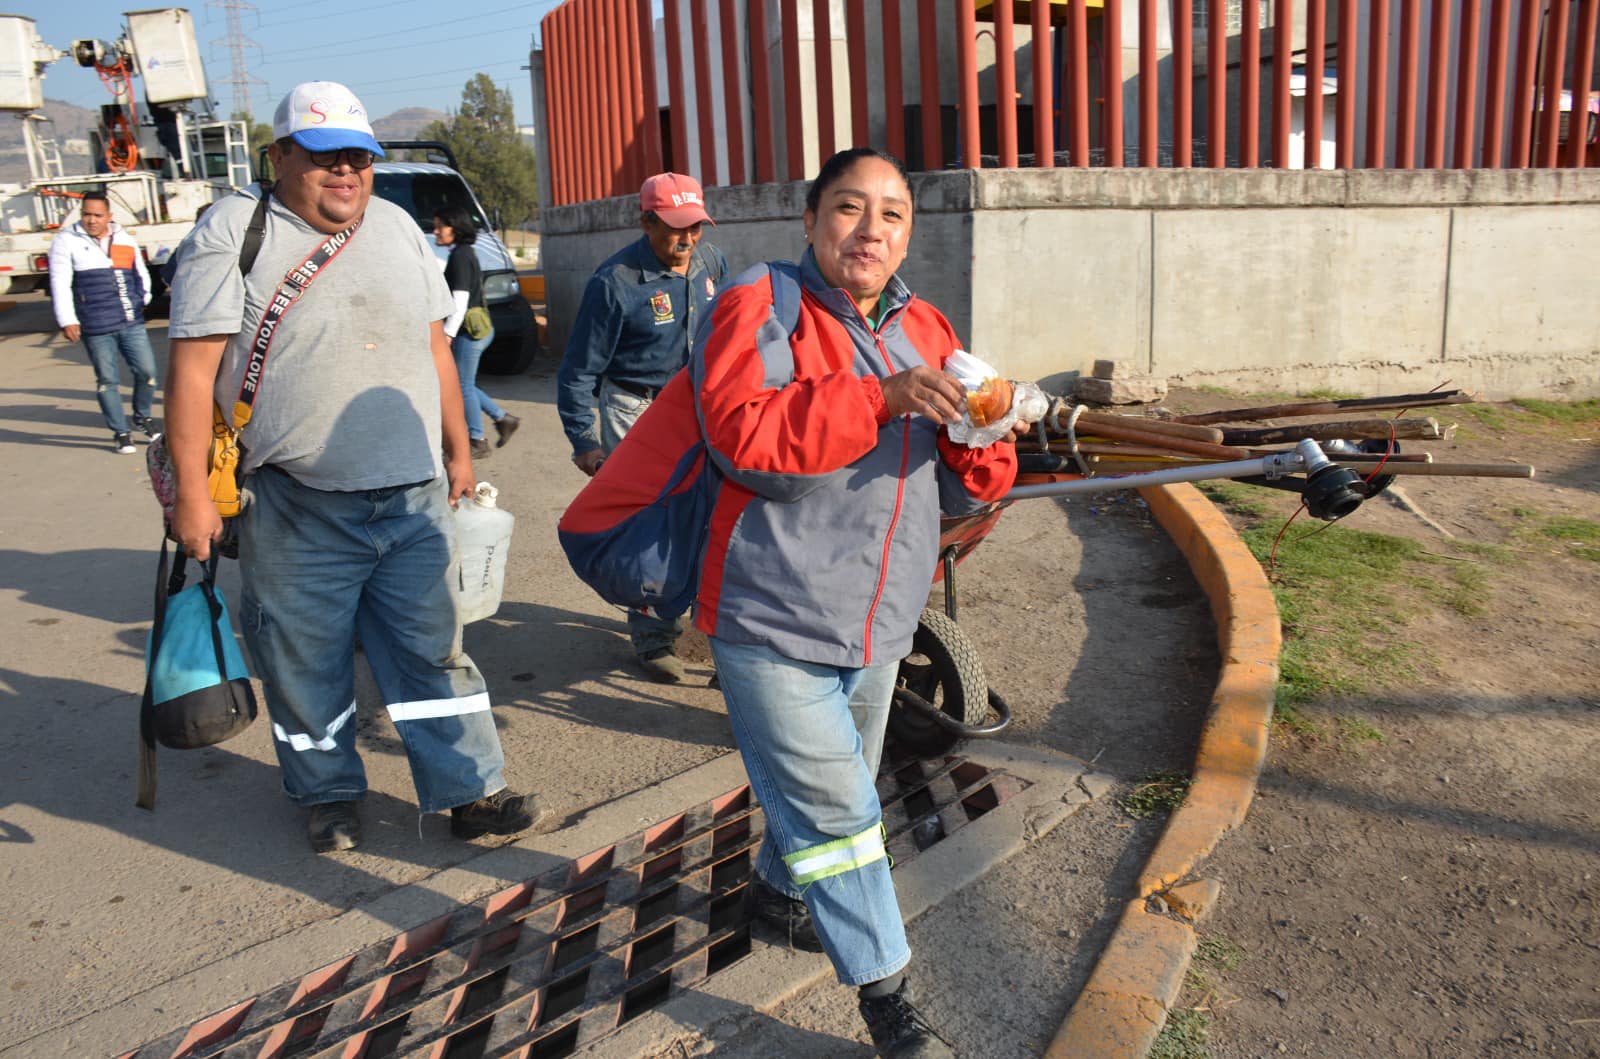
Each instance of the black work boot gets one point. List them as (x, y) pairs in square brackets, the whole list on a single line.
[(898, 1029), (789, 919), (334, 826), (504, 812)]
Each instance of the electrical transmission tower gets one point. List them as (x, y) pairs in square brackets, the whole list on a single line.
[(238, 46)]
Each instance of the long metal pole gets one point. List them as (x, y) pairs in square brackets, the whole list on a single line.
[(1305, 456)]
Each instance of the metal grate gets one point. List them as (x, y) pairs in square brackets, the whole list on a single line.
[(549, 965)]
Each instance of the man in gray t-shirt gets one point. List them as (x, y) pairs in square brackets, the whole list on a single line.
[(347, 527)]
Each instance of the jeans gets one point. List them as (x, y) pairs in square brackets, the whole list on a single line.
[(811, 736), (618, 411), (320, 568), (467, 352), (132, 344)]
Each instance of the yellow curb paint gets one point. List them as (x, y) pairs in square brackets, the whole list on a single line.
[(1124, 1004)]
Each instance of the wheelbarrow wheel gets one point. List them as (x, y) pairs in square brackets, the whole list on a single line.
[(943, 668)]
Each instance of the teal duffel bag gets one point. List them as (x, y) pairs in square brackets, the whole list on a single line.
[(197, 690)]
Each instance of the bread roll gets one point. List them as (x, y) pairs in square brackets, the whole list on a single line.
[(989, 401)]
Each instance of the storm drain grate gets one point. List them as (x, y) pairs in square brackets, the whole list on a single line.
[(549, 965)]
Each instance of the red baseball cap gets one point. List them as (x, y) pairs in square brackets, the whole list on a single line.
[(676, 199)]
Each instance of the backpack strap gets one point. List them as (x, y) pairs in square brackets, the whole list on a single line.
[(255, 231), (145, 797), (785, 293)]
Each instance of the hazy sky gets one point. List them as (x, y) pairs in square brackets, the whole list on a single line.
[(393, 54)]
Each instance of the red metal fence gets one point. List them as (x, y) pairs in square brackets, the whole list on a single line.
[(761, 90)]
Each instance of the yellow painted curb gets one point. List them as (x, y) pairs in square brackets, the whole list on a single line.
[(1125, 1002)]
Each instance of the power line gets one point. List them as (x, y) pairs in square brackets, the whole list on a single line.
[(430, 42), (347, 45)]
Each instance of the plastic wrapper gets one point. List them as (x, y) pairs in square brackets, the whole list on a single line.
[(1028, 402)]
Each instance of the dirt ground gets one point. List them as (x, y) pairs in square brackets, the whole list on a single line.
[(1418, 875)]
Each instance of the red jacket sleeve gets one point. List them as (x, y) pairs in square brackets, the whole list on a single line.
[(820, 422), (986, 474)]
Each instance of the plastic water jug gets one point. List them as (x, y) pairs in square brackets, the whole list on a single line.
[(483, 536)]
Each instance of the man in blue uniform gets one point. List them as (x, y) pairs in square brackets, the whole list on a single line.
[(633, 333)]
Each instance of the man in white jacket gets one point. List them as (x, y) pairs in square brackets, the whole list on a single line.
[(99, 287)]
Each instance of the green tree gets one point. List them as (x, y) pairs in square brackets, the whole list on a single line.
[(499, 166)]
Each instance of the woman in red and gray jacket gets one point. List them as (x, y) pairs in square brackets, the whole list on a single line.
[(829, 430)]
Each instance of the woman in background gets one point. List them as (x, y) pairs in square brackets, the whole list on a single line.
[(453, 227)]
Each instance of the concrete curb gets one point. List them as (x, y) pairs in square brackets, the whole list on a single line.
[(1140, 973)]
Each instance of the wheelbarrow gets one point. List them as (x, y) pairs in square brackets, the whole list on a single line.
[(941, 695)]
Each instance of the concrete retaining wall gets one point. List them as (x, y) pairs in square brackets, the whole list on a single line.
[(1359, 280)]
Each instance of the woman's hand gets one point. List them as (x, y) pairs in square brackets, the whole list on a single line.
[(923, 391)]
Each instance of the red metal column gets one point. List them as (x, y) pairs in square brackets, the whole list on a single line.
[(1005, 82), (594, 184), (601, 104), (554, 126), (732, 93), (645, 19), (822, 49), (1217, 84), (1249, 85), (705, 109), (1149, 88), (1555, 61), (1183, 82), (618, 134), (1111, 17), (1582, 71), (1344, 130), (789, 35), (761, 116), (1494, 89), (633, 95), (1522, 102), (1044, 83), (1078, 94), (676, 105), (894, 89), (1406, 95), (928, 47), (1467, 84), (967, 71), (1378, 83), (1282, 67), (1316, 51), (1438, 85), (855, 31)]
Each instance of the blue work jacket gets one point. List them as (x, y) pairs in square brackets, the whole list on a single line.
[(634, 327)]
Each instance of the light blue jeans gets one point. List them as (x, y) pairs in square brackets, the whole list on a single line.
[(811, 736), (468, 352), (131, 344), (619, 410), (320, 568)]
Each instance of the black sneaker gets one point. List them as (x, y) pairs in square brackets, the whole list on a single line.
[(146, 426), (480, 448), (334, 826), (502, 813), (663, 665), (784, 916), (123, 443), (898, 1029), (504, 427)]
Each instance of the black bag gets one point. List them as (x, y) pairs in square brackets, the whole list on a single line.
[(196, 690)]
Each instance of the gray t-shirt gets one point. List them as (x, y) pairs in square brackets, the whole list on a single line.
[(349, 398)]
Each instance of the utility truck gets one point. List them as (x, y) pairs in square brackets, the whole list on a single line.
[(160, 163)]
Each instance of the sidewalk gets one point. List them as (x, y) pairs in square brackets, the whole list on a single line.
[(1084, 614)]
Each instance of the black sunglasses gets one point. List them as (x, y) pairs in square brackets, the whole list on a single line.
[(354, 157)]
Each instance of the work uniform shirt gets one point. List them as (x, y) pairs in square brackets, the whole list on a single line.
[(634, 327)]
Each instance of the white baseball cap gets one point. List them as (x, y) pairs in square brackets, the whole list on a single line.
[(324, 116)]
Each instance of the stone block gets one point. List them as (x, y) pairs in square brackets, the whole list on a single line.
[(1140, 390)]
